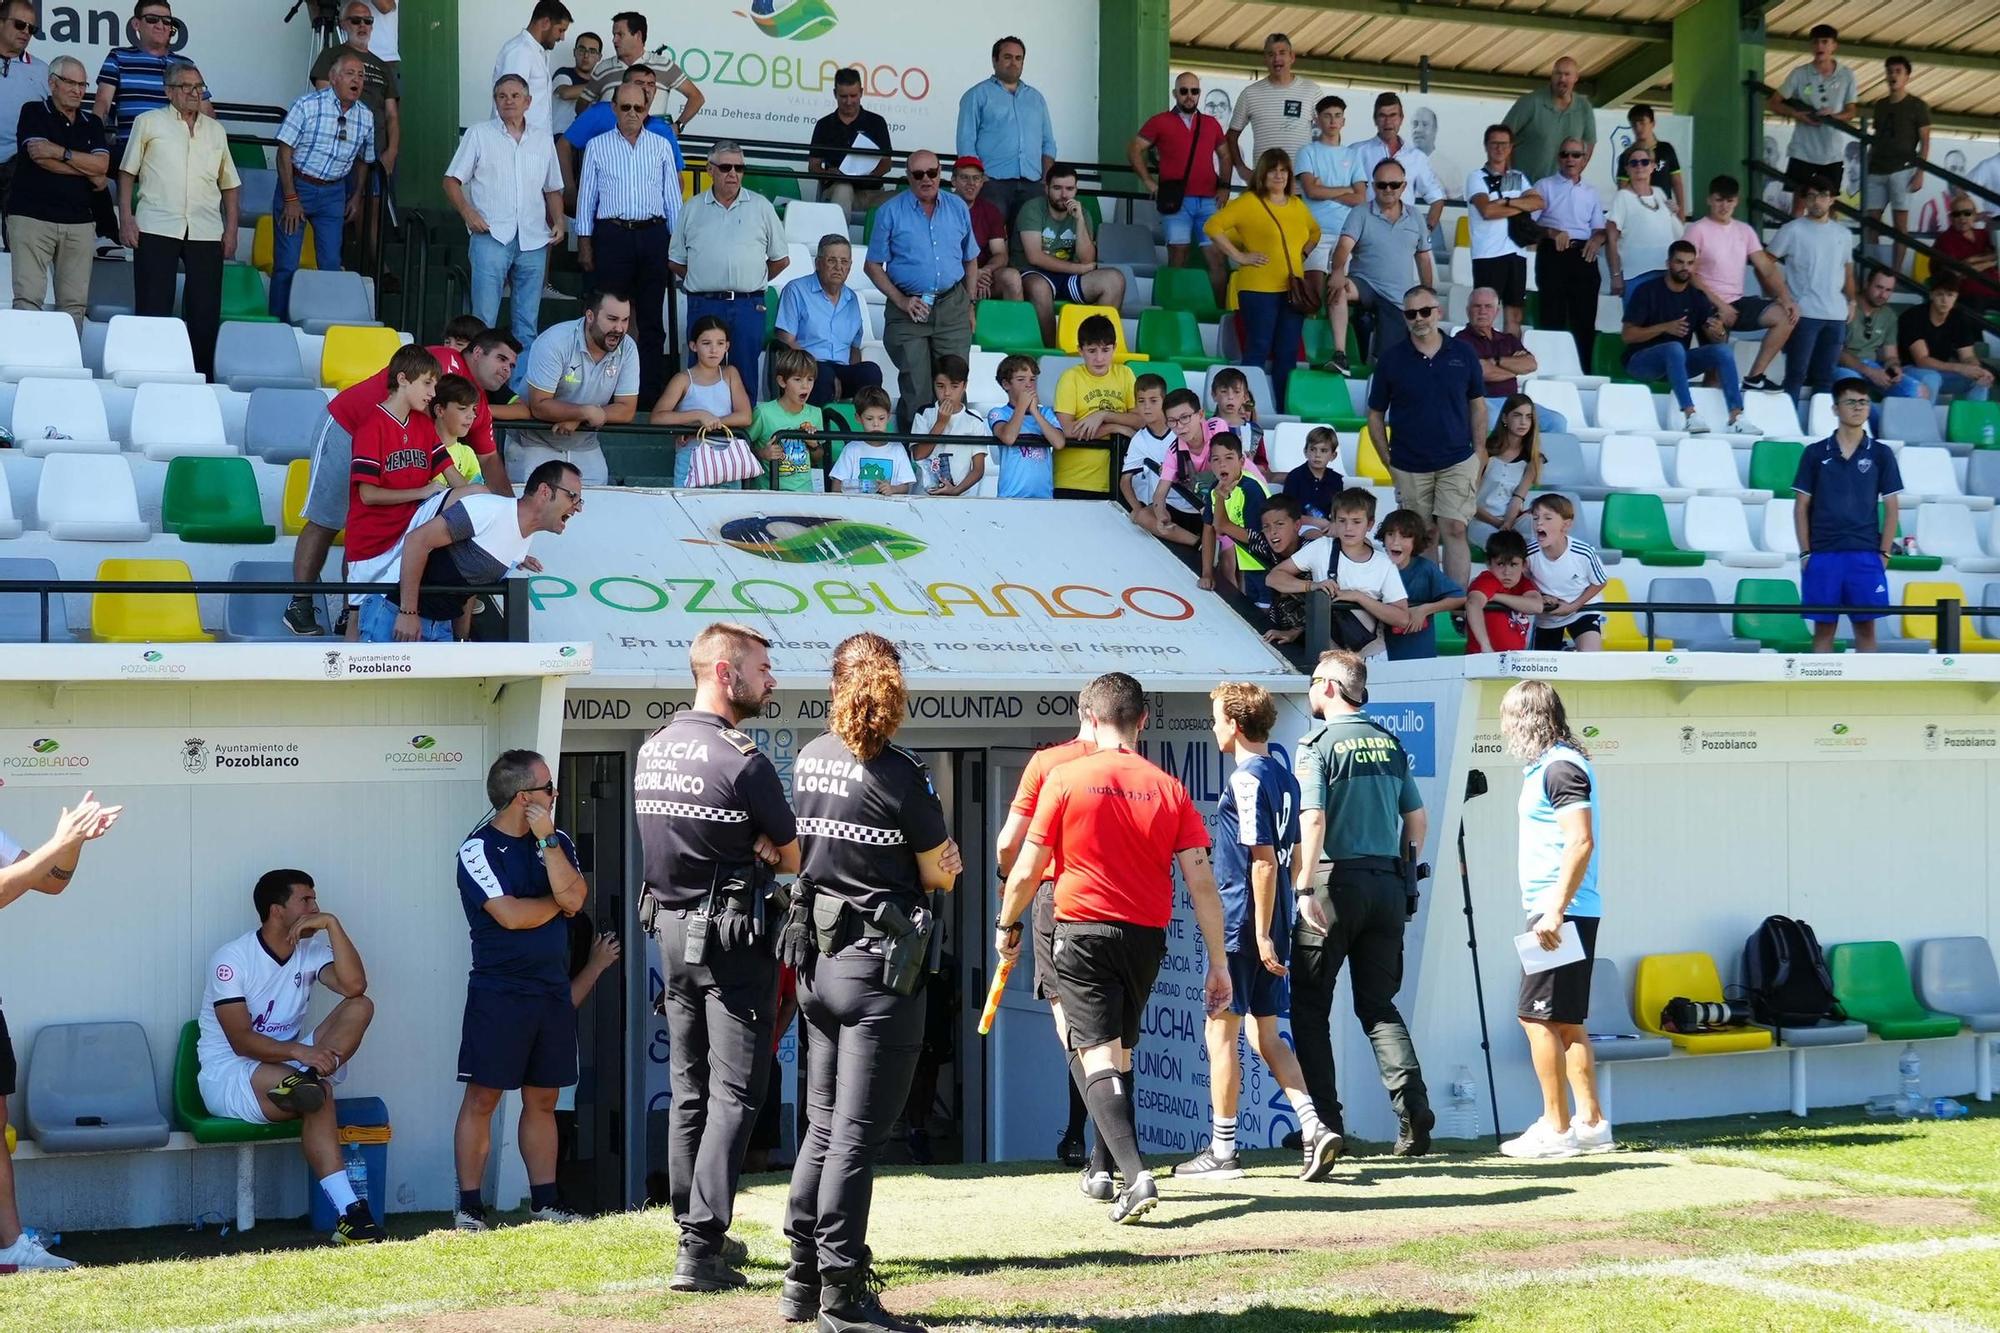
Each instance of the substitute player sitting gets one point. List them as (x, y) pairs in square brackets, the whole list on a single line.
[(254, 1064), (1114, 826)]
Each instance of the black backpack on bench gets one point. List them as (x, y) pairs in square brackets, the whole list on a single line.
[(1786, 975)]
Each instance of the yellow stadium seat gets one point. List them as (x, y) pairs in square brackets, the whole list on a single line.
[(1921, 269), (351, 354), (1624, 632), (1691, 976), (1368, 461), (170, 617), (11, 1140), (265, 242), (1070, 318), (1919, 593), (1464, 232), (298, 480), (687, 185)]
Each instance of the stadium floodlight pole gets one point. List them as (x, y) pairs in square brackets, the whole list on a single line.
[(1475, 787)]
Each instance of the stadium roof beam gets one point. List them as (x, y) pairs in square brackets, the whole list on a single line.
[(1921, 55), (1431, 11), (1629, 75), (1365, 72)]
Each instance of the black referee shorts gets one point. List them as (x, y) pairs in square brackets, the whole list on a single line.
[(7, 1069), (1561, 994), (1106, 971)]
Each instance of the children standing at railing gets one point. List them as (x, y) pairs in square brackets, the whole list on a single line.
[(1027, 470), (872, 467), (708, 395), (795, 371), (950, 469)]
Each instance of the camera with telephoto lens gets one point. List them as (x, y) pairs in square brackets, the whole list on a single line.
[(1685, 1015)]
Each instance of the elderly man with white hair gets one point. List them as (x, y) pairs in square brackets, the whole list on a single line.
[(819, 313), (1503, 359), (64, 158)]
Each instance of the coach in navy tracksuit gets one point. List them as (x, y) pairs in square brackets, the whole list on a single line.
[(1846, 515)]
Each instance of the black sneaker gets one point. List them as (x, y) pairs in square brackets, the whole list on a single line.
[(302, 617), (798, 1298), (709, 1274), (301, 1093), (340, 624), (1205, 1165), (1339, 365), (734, 1252), (853, 1304), (1096, 1185), (357, 1226), (919, 1144), (1413, 1139), (1070, 1150), (1320, 1155), (1761, 384), (1136, 1199)]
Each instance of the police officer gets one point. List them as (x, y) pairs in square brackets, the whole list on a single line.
[(711, 811), (858, 932), (1361, 824)]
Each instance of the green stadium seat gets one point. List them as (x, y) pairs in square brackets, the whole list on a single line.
[(773, 188), (1607, 355), (1186, 289), (1636, 525), (1173, 335), (249, 155), (214, 500), (868, 225), (1907, 564), (1321, 395), (1774, 464), (1450, 638), (1009, 326), (1872, 984), (191, 1113), (1783, 631), (1092, 210), (244, 299), (1175, 377), (1976, 424)]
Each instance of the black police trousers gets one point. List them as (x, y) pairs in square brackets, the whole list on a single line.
[(719, 1018), (860, 1058), (1365, 928)]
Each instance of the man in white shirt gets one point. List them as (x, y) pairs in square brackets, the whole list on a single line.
[(1424, 186), (1494, 194), (505, 183), (474, 543), (254, 1063), (527, 54), (386, 47)]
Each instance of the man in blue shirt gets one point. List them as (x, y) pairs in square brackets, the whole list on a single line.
[(1005, 122), (1257, 825), (822, 315), (924, 259), (1427, 400), (1843, 547), (1658, 324), (519, 881)]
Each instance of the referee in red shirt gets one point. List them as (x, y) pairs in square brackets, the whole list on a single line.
[(1114, 826)]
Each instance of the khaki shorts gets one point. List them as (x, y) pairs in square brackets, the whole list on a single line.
[(1442, 495)]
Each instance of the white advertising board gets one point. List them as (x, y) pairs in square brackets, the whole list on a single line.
[(174, 756)]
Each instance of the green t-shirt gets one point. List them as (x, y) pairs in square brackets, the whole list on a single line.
[(1360, 775), (1058, 234), (796, 472)]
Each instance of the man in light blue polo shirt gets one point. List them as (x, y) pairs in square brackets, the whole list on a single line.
[(924, 258), (822, 315), (1005, 122)]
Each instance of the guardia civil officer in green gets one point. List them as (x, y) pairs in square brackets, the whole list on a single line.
[(1361, 828), (874, 847)]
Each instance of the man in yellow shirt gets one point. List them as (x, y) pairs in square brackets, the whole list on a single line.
[(1095, 401)]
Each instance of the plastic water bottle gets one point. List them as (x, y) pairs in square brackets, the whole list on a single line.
[(930, 303), (357, 1170), (1463, 1117), (1949, 1108), (1910, 1070)]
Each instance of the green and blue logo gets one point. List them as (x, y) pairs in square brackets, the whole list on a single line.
[(423, 742), (792, 20), (803, 539), (153, 656), (46, 746)]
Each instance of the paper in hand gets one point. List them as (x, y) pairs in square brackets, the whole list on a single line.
[(1534, 958)]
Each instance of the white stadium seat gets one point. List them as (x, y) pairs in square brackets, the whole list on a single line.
[(1928, 475), (1820, 421), (1947, 530), (10, 526), (1632, 463), (41, 343), (1555, 356), (175, 420), (140, 349), (1777, 414), (806, 222), (60, 417), (1707, 464), (1561, 396), (1780, 533), (321, 300), (1717, 524), (1628, 409), (89, 498)]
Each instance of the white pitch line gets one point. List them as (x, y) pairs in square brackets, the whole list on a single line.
[(410, 1309)]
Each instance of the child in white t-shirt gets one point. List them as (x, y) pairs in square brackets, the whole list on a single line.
[(1140, 483), (872, 467), (951, 469), (1570, 577), (1349, 569)]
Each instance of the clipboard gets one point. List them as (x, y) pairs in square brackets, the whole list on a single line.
[(1535, 959)]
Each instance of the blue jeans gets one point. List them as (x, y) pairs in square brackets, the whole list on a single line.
[(1546, 418), (1811, 354), (325, 209), (1909, 386), (1185, 225), (1271, 332), (497, 267), (1677, 365), (378, 623), (744, 317), (1941, 381)]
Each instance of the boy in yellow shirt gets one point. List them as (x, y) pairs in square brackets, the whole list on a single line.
[(1094, 401)]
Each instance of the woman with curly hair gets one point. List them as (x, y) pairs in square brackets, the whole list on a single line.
[(873, 844)]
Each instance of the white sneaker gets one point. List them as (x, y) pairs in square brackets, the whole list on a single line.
[(28, 1252), (551, 292), (1592, 1138), (1540, 1141), (1744, 426), (554, 1213), (1694, 425), (464, 1221)]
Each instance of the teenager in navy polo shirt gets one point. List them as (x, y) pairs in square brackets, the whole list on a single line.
[(1843, 546)]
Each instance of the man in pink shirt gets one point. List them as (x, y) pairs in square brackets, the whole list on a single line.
[(1722, 247)]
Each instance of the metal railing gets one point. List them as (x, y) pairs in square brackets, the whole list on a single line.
[(513, 592)]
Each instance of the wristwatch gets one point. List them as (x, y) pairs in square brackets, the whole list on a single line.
[(544, 844)]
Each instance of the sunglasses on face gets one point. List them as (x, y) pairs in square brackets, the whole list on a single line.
[(1388, 185), (1569, 152), (732, 167), (1416, 313), (22, 25), (547, 787), (361, 23), (1639, 162), (926, 174), (1187, 92), (1963, 213), (158, 20)]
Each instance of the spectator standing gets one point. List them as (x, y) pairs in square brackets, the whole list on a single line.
[(380, 91), (851, 133), (504, 182), (1494, 194), (64, 159), (1656, 330), (387, 44), (1639, 225), (1816, 91), (1666, 162), (1723, 246), (572, 83), (1846, 519), (1901, 124), (601, 118), (629, 219), (822, 315), (1278, 109), (1503, 358), (1424, 186), (1569, 576), (1545, 119), (1870, 350), (23, 82), (1192, 151), (1558, 871), (133, 79), (1819, 260), (1333, 183), (995, 277), (1970, 249), (177, 162), (1572, 220), (48, 869), (628, 44), (925, 261), (726, 249), (526, 53), (1427, 412), (1385, 248), (1939, 343), (1267, 231), (1056, 253), (1004, 121), (581, 375), (325, 145)]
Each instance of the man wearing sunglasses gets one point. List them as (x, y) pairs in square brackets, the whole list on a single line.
[(1385, 248), (64, 162), (1572, 220), (133, 79), (1427, 408), (1970, 247), (725, 250), (380, 91), (1193, 156), (325, 145), (24, 81), (924, 259)]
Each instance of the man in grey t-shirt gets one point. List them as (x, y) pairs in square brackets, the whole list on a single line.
[(1385, 247), (580, 376), (1818, 254), (1827, 89)]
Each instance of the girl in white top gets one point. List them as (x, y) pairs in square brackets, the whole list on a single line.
[(1639, 225), (1513, 467), (951, 469), (708, 395)]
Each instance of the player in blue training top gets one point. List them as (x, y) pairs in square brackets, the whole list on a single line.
[(1257, 827)]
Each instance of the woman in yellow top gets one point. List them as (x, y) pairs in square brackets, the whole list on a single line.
[(1266, 232)]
